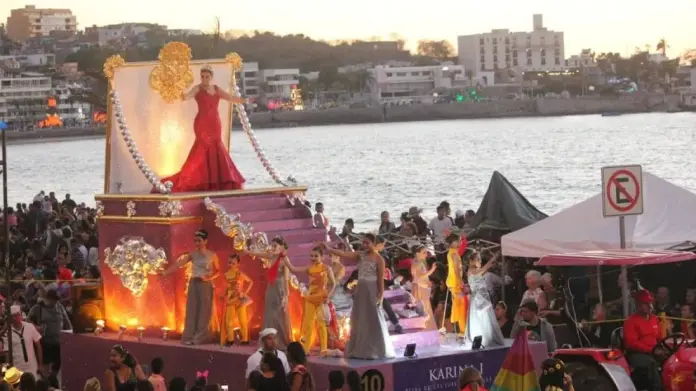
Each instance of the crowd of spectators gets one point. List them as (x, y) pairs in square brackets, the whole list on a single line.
[(53, 245)]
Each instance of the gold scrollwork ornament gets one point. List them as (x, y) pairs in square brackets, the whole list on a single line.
[(112, 64), (235, 61), (173, 76)]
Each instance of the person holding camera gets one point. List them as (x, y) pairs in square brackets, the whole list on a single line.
[(125, 372)]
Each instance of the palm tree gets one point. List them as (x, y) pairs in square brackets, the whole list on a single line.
[(216, 35), (328, 75), (662, 47), (363, 79)]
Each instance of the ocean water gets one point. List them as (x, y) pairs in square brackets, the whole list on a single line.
[(358, 171)]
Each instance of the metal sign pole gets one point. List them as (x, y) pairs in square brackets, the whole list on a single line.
[(625, 292), (6, 250), (622, 194)]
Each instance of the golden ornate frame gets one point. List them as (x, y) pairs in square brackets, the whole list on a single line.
[(115, 62), (201, 195)]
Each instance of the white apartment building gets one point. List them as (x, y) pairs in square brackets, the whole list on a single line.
[(398, 83), (314, 75), (278, 83), (28, 60), (30, 22), (183, 32), (582, 60), (657, 58), (118, 32), (688, 94), (71, 111), (369, 66), (248, 79), (24, 100), (538, 50)]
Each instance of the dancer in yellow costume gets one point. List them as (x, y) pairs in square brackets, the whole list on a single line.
[(237, 300), (460, 301), (316, 312)]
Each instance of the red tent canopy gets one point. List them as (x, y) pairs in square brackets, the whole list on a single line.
[(616, 258)]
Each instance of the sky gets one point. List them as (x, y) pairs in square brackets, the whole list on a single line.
[(600, 25)]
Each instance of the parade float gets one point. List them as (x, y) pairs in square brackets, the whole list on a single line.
[(144, 227)]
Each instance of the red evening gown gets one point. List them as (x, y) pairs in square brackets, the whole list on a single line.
[(208, 166)]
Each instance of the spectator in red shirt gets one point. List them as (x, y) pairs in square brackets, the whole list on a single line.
[(641, 334)]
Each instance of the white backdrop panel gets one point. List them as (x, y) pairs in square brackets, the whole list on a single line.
[(162, 131)]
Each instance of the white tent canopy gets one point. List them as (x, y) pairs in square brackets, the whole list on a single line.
[(669, 218)]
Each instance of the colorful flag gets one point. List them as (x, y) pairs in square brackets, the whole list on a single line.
[(517, 372)]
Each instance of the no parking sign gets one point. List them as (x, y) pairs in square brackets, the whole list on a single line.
[(622, 190)]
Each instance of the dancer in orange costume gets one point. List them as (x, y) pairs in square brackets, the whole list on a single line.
[(236, 302), (457, 288), (316, 311), (208, 165)]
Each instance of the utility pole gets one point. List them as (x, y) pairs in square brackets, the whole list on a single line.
[(6, 243)]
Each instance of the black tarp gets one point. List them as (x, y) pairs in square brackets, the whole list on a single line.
[(503, 210)]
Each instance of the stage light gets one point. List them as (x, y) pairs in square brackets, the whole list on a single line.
[(410, 351), (141, 331), (165, 332), (476, 344), (122, 330), (237, 334), (100, 327), (343, 327)]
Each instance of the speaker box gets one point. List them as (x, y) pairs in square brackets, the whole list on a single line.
[(87, 307)]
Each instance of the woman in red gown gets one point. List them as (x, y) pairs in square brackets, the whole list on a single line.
[(208, 166)]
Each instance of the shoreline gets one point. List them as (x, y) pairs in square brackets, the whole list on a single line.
[(338, 116)]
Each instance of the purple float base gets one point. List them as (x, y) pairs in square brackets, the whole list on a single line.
[(435, 368)]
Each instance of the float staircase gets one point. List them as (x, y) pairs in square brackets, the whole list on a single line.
[(276, 215)]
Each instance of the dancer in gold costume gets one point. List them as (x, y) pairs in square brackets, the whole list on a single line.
[(316, 311), (236, 302), (458, 291)]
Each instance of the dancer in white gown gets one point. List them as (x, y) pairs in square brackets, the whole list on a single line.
[(369, 337), (481, 319)]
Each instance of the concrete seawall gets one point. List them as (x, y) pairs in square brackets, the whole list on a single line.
[(467, 110)]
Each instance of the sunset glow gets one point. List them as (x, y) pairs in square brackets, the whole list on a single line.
[(617, 26)]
